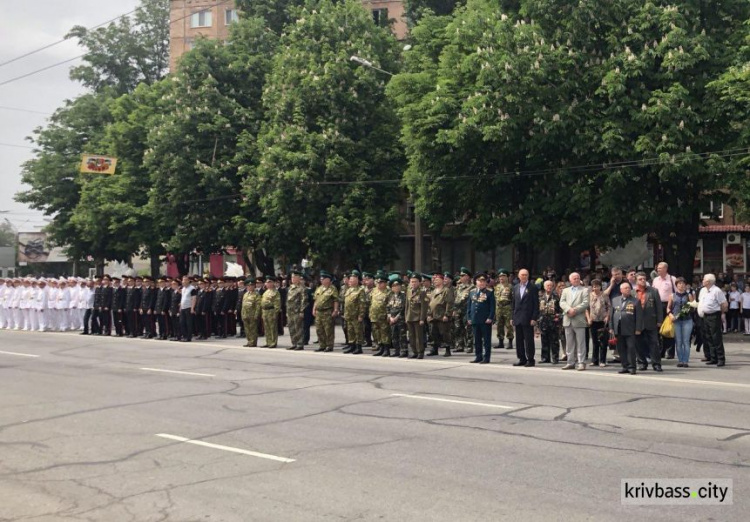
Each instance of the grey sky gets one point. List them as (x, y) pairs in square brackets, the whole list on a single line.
[(26, 26)]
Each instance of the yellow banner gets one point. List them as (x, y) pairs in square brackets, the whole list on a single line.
[(98, 164)]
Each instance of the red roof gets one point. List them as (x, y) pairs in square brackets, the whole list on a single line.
[(725, 228)]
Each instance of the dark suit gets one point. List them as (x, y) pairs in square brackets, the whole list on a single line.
[(653, 315), (480, 308), (525, 309), (626, 319)]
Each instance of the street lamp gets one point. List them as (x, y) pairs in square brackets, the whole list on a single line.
[(418, 247)]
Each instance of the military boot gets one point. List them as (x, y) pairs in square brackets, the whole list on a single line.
[(349, 348), (386, 351), (510, 344), (357, 349), (433, 352), (447, 352), (380, 351)]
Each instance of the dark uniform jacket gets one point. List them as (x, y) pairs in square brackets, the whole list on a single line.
[(161, 304), (130, 299), (220, 300), (107, 297), (626, 317), (98, 297), (148, 299), (174, 304), (652, 311), (481, 306), (118, 299)]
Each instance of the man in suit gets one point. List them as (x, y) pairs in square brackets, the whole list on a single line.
[(525, 305), (627, 322), (481, 314), (574, 302), (653, 315)]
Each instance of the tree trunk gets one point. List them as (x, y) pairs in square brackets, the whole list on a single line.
[(99, 266), (249, 265), (263, 262), (155, 265), (562, 258), (182, 261), (680, 243), (436, 252)]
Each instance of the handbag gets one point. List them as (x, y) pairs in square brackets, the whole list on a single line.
[(667, 328)]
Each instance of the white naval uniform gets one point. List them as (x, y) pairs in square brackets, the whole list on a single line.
[(3, 306), (23, 304), (63, 308), (52, 321), (73, 316), (42, 309)]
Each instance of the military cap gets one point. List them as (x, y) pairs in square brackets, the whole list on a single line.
[(249, 281), (438, 275), (148, 278), (415, 275), (138, 278), (465, 271), (259, 279), (503, 272), (325, 275), (270, 278), (366, 275), (115, 279), (480, 277), (106, 276), (448, 275), (357, 274), (425, 276), (297, 272), (381, 277)]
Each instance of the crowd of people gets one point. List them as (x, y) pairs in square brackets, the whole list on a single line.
[(574, 319)]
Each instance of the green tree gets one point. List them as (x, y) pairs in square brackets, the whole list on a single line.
[(331, 136), (212, 103), (7, 235), (276, 13), (125, 53)]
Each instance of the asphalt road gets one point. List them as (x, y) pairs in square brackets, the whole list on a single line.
[(96, 428)]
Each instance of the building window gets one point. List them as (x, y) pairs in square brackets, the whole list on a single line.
[(380, 16), (201, 19), (715, 211), (230, 16)]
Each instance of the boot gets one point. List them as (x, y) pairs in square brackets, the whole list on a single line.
[(386, 351), (349, 348), (457, 350), (380, 352), (404, 354), (357, 349), (447, 352), (433, 352), (510, 344), (501, 344)]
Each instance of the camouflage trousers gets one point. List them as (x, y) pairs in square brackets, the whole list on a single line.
[(503, 316), (251, 330), (324, 326), (381, 333), (463, 335), (295, 322), (440, 334), (398, 337), (270, 324), (355, 331)]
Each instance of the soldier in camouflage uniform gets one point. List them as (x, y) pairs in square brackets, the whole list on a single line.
[(416, 315), (270, 304), (296, 302), (343, 286), (325, 310), (251, 313), (549, 319), (377, 310), (354, 313), (396, 309), (463, 338), (368, 283), (439, 315), (503, 312)]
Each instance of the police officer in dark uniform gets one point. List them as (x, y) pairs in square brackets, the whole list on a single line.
[(96, 321), (480, 315), (161, 304), (118, 304), (129, 311), (219, 312), (106, 310), (148, 302)]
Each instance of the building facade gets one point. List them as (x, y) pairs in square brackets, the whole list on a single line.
[(193, 19)]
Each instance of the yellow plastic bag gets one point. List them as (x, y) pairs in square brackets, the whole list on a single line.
[(667, 328)]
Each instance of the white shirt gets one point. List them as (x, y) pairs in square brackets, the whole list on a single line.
[(522, 289), (186, 300), (89, 298), (710, 300), (41, 299), (746, 301), (734, 300)]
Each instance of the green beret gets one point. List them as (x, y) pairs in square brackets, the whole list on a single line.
[(465, 271), (448, 275), (502, 271), (325, 275), (248, 281)]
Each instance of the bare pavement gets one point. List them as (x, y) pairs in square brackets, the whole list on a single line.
[(110, 429)]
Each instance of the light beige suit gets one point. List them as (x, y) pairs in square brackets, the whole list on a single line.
[(575, 327)]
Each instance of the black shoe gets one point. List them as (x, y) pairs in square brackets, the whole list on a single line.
[(291, 348), (632, 372), (501, 344), (476, 361), (705, 359), (643, 367), (460, 350), (658, 369), (623, 371), (670, 357), (379, 353), (544, 361), (720, 363), (432, 353), (349, 348), (84, 333), (420, 356), (530, 364), (555, 361), (520, 363), (386, 352), (447, 352), (413, 356), (357, 350), (709, 363), (320, 350), (329, 349), (484, 362), (403, 355)]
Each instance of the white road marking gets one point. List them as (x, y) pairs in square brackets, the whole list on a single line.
[(19, 354), (178, 372), (225, 448), (486, 405)]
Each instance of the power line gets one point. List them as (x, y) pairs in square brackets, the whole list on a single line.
[(3, 107), (32, 73), (53, 44), (15, 146), (582, 169)]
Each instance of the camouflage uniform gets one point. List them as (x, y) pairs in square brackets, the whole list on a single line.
[(379, 318), (324, 299), (463, 338), (549, 319), (354, 312), (296, 302), (440, 308), (503, 313), (416, 312), (270, 303), (396, 308), (251, 316), (367, 321)]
